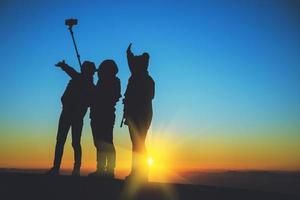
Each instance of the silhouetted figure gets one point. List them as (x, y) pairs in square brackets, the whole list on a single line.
[(75, 102), (138, 110), (105, 96)]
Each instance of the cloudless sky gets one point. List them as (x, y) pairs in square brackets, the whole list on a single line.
[(227, 77)]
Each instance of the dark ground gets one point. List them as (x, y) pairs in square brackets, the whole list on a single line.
[(37, 186), (268, 181)]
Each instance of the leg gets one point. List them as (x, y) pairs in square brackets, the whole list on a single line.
[(101, 160), (143, 126), (110, 148), (76, 136), (62, 132), (111, 158), (139, 154), (134, 140), (144, 168), (101, 157)]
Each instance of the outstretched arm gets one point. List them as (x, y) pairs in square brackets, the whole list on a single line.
[(68, 69), (130, 58)]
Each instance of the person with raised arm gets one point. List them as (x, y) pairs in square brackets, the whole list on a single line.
[(138, 111), (75, 102)]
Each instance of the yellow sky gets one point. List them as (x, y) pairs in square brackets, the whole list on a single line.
[(170, 153)]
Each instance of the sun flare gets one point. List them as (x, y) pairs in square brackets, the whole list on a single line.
[(150, 161), (160, 159)]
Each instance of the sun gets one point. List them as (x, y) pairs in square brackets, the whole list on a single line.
[(150, 161)]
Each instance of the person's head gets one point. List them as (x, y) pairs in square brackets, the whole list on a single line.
[(107, 69), (88, 68), (141, 63)]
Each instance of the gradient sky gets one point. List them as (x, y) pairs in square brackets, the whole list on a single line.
[(227, 79)]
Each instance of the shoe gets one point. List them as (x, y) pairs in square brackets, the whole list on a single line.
[(95, 174), (109, 175), (53, 172), (130, 177), (102, 174), (75, 172), (134, 177)]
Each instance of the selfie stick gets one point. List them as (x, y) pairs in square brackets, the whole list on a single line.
[(70, 23)]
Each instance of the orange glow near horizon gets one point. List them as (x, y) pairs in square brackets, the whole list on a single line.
[(171, 156)]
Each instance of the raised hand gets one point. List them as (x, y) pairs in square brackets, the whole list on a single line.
[(129, 48), (61, 64)]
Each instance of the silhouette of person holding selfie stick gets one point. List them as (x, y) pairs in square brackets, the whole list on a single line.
[(75, 102)]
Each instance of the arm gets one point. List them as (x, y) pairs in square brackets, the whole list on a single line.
[(149, 89), (69, 70), (130, 58), (152, 89), (118, 90), (146, 90)]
